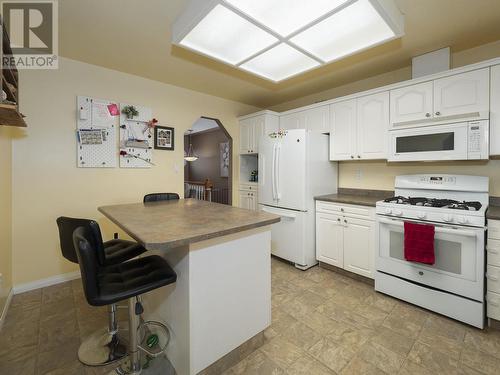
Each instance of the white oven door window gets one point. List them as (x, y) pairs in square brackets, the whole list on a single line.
[(459, 257)]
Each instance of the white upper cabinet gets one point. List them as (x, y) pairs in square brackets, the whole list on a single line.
[(246, 135), (252, 128), (495, 111), (343, 142), (318, 119), (359, 128), (292, 121), (315, 119), (462, 96), (372, 126), (411, 104), (465, 95)]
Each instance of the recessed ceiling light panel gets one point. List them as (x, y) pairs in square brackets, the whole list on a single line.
[(352, 29), (226, 36), (278, 39), (279, 63), (285, 16)]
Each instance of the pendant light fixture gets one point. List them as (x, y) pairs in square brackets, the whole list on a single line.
[(190, 155)]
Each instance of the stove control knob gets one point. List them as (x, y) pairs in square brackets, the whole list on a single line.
[(462, 220), (388, 211), (447, 218), (421, 215), (398, 212)]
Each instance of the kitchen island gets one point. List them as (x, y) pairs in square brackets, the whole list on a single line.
[(222, 257)]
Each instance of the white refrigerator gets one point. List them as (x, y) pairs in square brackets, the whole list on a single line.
[(294, 167)]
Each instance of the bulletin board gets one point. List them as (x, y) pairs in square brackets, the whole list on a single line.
[(136, 138), (97, 120)]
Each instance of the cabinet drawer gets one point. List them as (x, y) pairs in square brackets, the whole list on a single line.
[(493, 279), (344, 209), (493, 252), (248, 187), (493, 305), (494, 229)]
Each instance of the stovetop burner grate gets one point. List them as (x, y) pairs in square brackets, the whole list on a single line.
[(433, 202)]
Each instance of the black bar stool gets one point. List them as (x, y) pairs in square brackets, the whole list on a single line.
[(106, 285), (104, 346), (157, 197)]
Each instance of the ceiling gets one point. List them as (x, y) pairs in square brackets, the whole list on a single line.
[(203, 124), (133, 36)]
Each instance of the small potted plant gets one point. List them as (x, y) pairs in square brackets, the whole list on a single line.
[(130, 111), (254, 176)]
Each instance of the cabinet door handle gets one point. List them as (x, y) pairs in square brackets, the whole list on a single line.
[(359, 156), (342, 209), (352, 156), (438, 113), (345, 221), (427, 114), (338, 219)]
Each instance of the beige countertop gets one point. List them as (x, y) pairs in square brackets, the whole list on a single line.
[(169, 224), (493, 213), (356, 196)]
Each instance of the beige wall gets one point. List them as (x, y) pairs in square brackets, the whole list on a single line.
[(379, 174), (46, 182), (5, 213)]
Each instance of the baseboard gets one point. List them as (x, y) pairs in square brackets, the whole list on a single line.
[(6, 308), (42, 283)]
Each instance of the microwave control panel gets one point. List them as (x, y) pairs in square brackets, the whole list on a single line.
[(477, 135)]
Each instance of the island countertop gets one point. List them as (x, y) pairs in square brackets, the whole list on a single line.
[(169, 224)]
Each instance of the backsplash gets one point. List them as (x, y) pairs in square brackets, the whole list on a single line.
[(380, 174)]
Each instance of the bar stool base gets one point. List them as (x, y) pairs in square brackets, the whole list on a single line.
[(124, 369), (102, 348)]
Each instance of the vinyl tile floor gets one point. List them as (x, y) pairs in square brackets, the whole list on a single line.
[(322, 323)]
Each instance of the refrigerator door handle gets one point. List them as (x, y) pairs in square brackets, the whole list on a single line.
[(273, 172), (277, 171), (281, 213)]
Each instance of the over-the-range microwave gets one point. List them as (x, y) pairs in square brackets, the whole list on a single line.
[(456, 141)]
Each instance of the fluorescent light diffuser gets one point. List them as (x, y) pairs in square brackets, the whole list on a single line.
[(279, 63), (352, 29), (226, 36), (285, 16), (278, 39)]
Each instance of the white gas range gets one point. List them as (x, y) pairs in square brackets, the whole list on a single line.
[(456, 206)]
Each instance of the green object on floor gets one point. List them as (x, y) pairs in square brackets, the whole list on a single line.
[(152, 340)]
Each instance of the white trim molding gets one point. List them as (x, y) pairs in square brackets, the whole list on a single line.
[(6, 307), (42, 283)]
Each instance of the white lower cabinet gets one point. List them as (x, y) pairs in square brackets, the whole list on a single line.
[(330, 239), (493, 270), (248, 197), (346, 238), (359, 244)]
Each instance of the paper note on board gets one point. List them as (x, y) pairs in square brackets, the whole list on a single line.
[(101, 116)]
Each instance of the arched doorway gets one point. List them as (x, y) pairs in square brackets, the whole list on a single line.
[(208, 165)]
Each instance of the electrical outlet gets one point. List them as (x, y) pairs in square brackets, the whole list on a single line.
[(358, 175)]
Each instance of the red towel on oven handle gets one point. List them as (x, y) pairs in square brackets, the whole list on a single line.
[(419, 243)]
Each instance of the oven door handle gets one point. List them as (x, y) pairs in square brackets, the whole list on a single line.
[(438, 229)]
